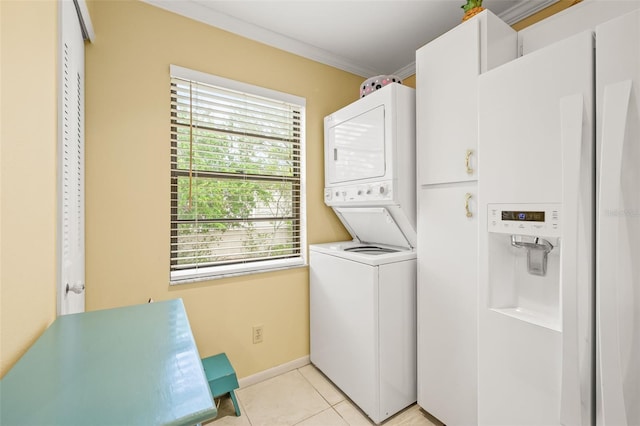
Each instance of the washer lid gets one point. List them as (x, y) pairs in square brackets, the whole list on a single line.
[(372, 225)]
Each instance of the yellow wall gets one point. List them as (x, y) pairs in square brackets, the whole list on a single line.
[(410, 81), (28, 123), (127, 177)]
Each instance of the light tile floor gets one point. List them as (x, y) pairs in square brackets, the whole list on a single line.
[(304, 397)]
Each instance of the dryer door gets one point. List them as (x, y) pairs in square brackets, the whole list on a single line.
[(354, 149)]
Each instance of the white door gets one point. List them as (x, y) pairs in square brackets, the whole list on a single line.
[(446, 96), (447, 302), (71, 163), (618, 251), (446, 102), (535, 329)]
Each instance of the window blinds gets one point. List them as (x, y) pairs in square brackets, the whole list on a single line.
[(236, 168)]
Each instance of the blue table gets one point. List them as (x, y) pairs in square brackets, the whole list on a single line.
[(136, 365)]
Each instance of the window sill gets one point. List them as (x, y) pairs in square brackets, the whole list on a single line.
[(218, 272)]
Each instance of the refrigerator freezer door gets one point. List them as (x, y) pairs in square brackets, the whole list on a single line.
[(618, 269), (535, 332), (613, 270)]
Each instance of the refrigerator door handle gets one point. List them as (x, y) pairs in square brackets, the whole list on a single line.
[(572, 388), (614, 123)]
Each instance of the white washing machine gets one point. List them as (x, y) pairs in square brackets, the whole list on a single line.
[(363, 323)]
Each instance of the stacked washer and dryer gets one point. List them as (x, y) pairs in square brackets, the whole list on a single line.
[(363, 292)]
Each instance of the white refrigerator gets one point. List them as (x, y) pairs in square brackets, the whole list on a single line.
[(559, 239)]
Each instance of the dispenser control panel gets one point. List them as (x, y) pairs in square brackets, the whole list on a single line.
[(524, 219)]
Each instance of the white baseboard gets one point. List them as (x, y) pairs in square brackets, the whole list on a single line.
[(273, 372)]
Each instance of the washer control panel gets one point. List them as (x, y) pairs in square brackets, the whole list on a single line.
[(524, 219)]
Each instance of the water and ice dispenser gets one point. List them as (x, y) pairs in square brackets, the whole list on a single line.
[(524, 261)]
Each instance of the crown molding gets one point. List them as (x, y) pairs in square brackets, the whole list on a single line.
[(203, 14), (406, 71), (523, 10)]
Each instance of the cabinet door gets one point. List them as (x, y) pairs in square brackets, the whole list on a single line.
[(447, 302), (446, 106), (447, 71)]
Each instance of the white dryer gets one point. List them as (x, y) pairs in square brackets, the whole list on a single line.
[(369, 159), (363, 292)]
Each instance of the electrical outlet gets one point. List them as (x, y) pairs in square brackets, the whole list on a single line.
[(257, 334)]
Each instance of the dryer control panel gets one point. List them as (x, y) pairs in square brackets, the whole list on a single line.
[(378, 192)]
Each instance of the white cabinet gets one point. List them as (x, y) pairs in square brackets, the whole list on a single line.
[(447, 171), (446, 99), (447, 299)]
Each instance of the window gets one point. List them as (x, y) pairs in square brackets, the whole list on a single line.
[(237, 187)]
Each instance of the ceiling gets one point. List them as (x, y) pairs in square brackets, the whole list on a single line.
[(364, 37)]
